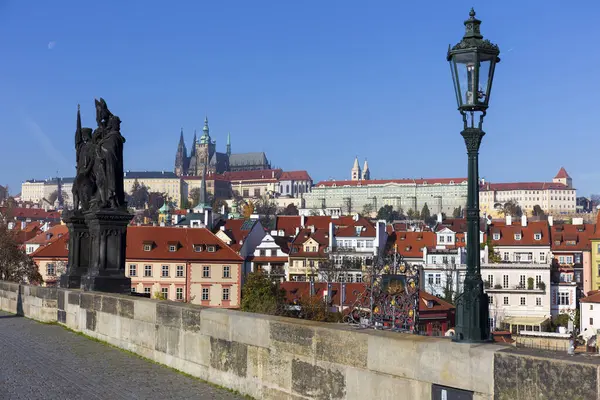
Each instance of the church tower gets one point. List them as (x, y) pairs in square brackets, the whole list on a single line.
[(356, 170), (204, 149), (366, 174), (181, 160), (564, 178)]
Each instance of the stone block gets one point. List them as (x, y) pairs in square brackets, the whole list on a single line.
[(250, 329), (215, 323), (61, 299), (521, 377), (267, 366), (50, 303), (191, 318), (109, 305), (73, 298), (90, 320), (167, 340), (86, 300), (61, 316), (195, 348), (168, 314), (229, 356), (145, 310), (292, 338), (145, 334), (106, 324), (274, 394), (126, 308), (317, 382), (49, 293), (363, 384), (343, 346)]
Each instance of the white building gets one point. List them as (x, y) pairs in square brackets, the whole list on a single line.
[(272, 255), (519, 295), (556, 197), (589, 317), (521, 242), (443, 270)]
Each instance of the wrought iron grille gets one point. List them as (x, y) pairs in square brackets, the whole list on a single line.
[(390, 299)]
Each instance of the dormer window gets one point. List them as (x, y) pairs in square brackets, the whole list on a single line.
[(197, 248), (172, 248), (147, 247), (537, 236), (517, 236), (557, 242), (211, 249), (496, 236), (570, 243)]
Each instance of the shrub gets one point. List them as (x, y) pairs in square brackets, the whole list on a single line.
[(530, 283)]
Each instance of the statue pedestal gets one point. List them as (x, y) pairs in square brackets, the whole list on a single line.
[(79, 250), (108, 241)]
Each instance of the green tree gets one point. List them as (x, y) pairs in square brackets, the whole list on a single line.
[(410, 214), (139, 195), (15, 265), (261, 295), (458, 212), (388, 213), (367, 210), (290, 209), (267, 211), (538, 212), (426, 215), (512, 208), (194, 197)]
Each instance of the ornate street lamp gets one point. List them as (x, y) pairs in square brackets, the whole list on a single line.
[(472, 64)]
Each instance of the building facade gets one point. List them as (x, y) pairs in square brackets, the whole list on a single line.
[(556, 197), (204, 154)]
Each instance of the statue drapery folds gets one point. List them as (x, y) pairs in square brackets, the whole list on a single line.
[(99, 180)]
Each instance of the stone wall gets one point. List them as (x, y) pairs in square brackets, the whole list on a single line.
[(280, 358)]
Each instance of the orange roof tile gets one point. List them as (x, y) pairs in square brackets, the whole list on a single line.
[(49, 236), (563, 236), (295, 176), (562, 173), (56, 249), (508, 232), (411, 244)]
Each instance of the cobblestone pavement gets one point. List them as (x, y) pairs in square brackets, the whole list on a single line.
[(39, 361)]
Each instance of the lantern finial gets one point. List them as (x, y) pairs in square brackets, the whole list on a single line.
[(472, 26), (472, 13)]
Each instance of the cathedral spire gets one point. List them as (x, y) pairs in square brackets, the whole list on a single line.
[(366, 174), (228, 151), (356, 176), (205, 138), (181, 160), (193, 151)]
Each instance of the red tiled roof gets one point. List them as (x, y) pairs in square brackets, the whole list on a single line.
[(236, 230), (368, 230), (411, 244), (319, 235), (522, 186), (56, 249), (580, 234), (507, 233), (562, 173), (31, 213), (287, 224), (49, 236), (376, 182), (593, 297), (295, 176)]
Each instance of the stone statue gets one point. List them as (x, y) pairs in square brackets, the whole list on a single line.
[(84, 186), (109, 153)]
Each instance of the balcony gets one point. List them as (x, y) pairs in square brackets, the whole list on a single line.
[(516, 289)]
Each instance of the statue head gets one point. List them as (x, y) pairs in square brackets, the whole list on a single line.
[(114, 124), (86, 134)]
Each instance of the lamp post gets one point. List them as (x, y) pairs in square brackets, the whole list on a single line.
[(472, 64)]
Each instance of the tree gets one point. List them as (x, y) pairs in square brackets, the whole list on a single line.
[(410, 214), (388, 213), (426, 215), (54, 195), (512, 208), (139, 195), (248, 210), (15, 265), (458, 212), (367, 210), (261, 295), (194, 197), (538, 212), (291, 209), (217, 204)]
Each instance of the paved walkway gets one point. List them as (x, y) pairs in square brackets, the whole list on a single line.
[(39, 361)]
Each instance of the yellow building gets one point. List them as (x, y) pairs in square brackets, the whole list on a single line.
[(159, 181), (216, 185)]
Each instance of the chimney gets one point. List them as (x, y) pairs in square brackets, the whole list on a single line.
[(508, 220), (312, 229), (302, 220), (550, 220), (439, 218), (523, 220), (577, 221), (222, 228), (23, 225), (272, 174), (297, 230), (331, 232)]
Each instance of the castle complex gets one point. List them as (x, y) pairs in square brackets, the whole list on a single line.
[(204, 153)]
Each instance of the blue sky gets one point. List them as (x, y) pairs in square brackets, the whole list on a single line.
[(311, 83)]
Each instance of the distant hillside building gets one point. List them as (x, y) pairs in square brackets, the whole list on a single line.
[(204, 153)]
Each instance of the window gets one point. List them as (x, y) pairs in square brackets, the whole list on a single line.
[(197, 248), (50, 270), (591, 321), (147, 290), (430, 279), (438, 279), (133, 290), (263, 252), (538, 279), (491, 280), (172, 248), (148, 270), (522, 281), (517, 236), (563, 299), (359, 278), (165, 271), (496, 236), (561, 259), (147, 247), (538, 301), (179, 293), (442, 238), (273, 252), (542, 257), (591, 307), (165, 292), (211, 249), (505, 300), (505, 281), (491, 300), (505, 256), (226, 294), (433, 262), (537, 236), (226, 271), (522, 301), (256, 192), (246, 193), (180, 271), (569, 259), (598, 269), (205, 293), (132, 270), (206, 271)]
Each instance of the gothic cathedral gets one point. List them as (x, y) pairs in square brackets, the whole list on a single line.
[(204, 154)]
